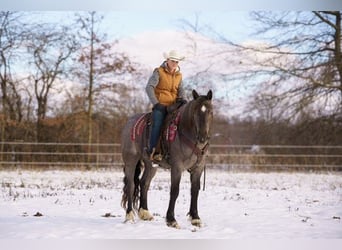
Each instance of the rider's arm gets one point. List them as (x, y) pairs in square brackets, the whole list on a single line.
[(151, 84)]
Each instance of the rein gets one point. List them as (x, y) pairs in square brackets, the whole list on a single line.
[(199, 152), (193, 144)]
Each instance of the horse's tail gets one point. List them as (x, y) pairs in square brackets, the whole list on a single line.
[(135, 198)]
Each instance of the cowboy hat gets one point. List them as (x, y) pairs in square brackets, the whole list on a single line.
[(173, 55)]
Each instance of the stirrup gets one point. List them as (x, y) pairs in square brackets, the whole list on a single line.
[(156, 157)]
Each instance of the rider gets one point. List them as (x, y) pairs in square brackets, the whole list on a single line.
[(163, 89)]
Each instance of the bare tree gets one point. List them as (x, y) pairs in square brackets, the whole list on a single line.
[(99, 64), (299, 65), (49, 48), (11, 37)]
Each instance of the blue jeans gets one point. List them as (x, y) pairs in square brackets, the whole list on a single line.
[(158, 117)]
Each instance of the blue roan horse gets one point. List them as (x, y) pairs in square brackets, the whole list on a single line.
[(186, 151)]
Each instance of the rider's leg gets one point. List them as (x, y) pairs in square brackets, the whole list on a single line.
[(158, 117)]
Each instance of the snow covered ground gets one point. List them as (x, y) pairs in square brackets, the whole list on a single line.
[(86, 205)]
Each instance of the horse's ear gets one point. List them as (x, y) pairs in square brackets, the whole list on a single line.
[(210, 95), (195, 94)]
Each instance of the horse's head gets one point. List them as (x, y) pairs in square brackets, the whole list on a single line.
[(202, 111)]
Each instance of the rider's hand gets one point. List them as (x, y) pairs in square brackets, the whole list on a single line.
[(181, 101)]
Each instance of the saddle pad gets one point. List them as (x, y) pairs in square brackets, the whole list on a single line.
[(139, 126), (171, 130)]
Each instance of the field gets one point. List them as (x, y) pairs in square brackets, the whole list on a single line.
[(234, 205)]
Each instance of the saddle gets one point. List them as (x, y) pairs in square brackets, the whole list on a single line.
[(168, 132)]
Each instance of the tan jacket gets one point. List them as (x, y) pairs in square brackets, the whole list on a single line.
[(166, 90)]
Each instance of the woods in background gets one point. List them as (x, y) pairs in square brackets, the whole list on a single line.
[(296, 75)]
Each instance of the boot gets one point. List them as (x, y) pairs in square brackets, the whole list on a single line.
[(156, 157)]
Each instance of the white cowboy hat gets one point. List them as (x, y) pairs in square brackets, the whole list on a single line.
[(173, 55)]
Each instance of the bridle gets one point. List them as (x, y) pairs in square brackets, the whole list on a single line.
[(198, 148)]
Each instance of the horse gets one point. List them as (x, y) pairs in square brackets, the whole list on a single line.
[(187, 151)]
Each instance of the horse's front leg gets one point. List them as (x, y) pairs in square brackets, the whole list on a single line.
[(175, 181), (195, 178), (145, 182)]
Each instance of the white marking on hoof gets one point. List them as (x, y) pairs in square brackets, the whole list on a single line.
[(144, 214), (129, 217), (196, 222), (173, 224)]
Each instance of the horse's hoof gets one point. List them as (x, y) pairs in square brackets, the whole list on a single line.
[(144, 214), (173, 224), (196, 222), (129, 217)]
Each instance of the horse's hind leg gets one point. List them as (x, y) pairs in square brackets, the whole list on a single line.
[(131, 172), (145, 182), (127, 198)]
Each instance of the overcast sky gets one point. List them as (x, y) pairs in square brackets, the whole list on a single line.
[(130, 17), (204, 5), (233, 24), (135, 18)]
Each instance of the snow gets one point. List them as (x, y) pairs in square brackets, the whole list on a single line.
[(77, 204)]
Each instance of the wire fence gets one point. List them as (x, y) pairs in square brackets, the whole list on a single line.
[(276, 157), (228, 157), (30, 154)]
